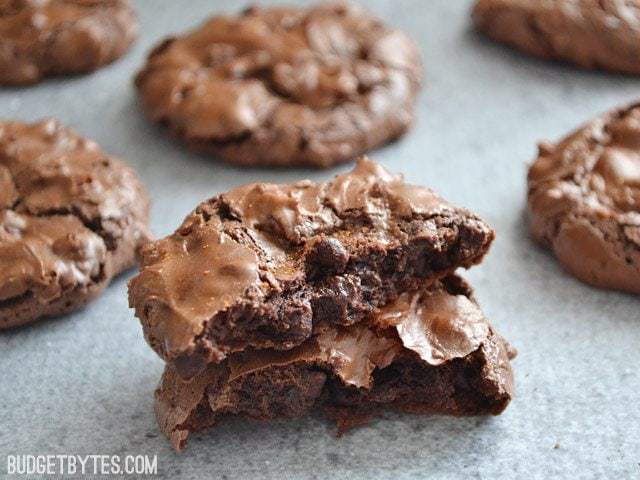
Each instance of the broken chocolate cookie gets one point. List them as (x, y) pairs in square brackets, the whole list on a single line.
[(268, 266), (429, 351)]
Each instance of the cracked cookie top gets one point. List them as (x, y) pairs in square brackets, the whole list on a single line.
[(601, 34), (285, 86), (584, 199), (267, 265), (70, 216), (52, 37)]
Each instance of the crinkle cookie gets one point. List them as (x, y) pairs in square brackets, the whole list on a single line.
[(602, 34), (71, 218), (584, 200), (41, 38), (284, 86)]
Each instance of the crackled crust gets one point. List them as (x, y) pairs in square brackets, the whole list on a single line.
[(71, 218), (594, 34), (584, 200), (40, 38), (284, 86)]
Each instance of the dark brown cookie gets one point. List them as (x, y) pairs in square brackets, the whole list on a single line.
[(584, 200), (430, 351), (266, 266), (40, 38), (602, 34), (71, 218), (285, 86)]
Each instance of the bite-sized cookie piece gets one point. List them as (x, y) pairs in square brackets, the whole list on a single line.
[(267, 265), (71, 218), (40, 38), (584, 200), (285, 86), (431, 351), (602, 34)]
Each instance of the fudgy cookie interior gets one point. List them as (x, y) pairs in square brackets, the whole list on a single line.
[(431, 351)]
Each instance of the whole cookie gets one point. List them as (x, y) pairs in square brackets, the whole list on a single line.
[(285, 86), (584, 200), (602, 34), (40, 38), (71, 218)]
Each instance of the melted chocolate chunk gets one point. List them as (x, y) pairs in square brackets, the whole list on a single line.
[(326, 257)]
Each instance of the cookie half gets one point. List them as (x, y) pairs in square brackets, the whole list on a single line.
[(592, 34), (584, 200), (285, 86), (429, 351), (41, 38), (71, 218), (267, 265)]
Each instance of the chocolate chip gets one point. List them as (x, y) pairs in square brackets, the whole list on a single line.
[(326, 257)]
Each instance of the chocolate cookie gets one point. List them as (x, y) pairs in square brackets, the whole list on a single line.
[(267, 266), (430, 351), (285, 86), (603, 34), (71, 218), (40, 38), (584, 200)]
